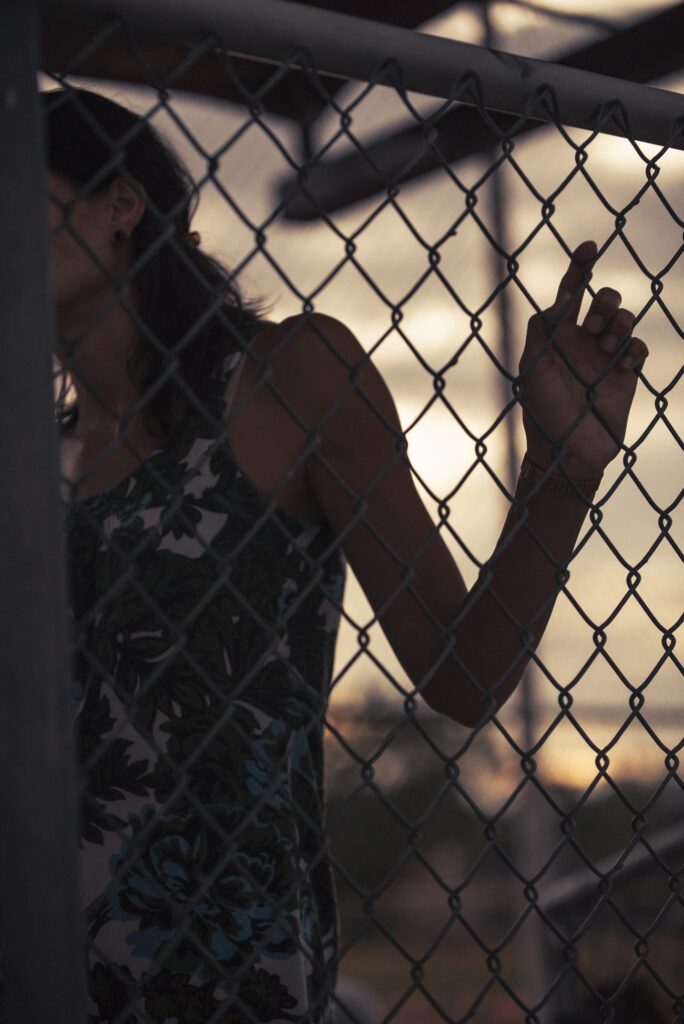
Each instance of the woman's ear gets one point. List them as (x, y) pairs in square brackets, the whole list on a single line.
[(127, 205)]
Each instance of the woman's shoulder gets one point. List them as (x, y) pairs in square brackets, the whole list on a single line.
[(307, 335), (309, 360), (291, 375)]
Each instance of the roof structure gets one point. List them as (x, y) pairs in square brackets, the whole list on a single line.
[(644, 51)]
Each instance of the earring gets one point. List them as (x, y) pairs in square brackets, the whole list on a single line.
[(119, 237)]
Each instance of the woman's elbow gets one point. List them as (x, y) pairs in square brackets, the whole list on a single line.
[(459, 699)]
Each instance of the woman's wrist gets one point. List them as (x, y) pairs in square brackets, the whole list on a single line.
[(561, 479)]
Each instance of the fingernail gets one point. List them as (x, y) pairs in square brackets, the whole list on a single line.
[(609, 343), (594, 323), (627, 362)]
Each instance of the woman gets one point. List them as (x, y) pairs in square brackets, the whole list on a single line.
[(219, 471)]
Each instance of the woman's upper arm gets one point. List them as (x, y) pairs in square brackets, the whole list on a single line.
[(362, 483)]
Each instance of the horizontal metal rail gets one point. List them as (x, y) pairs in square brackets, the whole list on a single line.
[(354, 48), (570, 890)]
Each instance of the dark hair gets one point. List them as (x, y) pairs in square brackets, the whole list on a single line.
[(190, 312)]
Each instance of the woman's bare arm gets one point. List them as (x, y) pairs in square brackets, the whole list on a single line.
[(457, 646)]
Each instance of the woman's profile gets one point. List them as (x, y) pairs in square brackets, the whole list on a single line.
[(219, 472)]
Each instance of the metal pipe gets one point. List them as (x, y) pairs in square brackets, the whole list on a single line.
[(572, 890), (355, 48), (43, 954), (533, 831)]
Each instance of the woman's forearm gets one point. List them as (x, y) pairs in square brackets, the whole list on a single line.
[(506, 612)]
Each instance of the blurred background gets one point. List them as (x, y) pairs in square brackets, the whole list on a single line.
[(437, 832)]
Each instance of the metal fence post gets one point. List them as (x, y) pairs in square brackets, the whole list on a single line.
[(43, 958)]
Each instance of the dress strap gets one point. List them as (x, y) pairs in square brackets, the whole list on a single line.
[(233, 382), (235, 363)]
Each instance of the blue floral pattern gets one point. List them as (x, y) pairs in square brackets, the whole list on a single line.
[(205, 628)]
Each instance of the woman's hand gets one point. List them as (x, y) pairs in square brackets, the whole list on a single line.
[(578, 382)]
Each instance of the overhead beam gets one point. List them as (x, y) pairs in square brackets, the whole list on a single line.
[(73, 45), (348, 47), (67, 40), (338, 44), (642, 52), (407, 13)]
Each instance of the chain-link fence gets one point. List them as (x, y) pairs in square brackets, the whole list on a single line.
[(527, 869)]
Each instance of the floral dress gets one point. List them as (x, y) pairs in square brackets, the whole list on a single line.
[(204, 625)]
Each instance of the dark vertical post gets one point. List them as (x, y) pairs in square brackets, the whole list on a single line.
[(534, 829), (39, 917)]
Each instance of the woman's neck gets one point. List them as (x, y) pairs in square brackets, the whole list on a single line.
[(96, 359), (110, 437)]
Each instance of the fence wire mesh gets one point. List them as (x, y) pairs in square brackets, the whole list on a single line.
[(524, 870)]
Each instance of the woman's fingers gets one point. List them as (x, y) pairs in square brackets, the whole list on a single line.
[(603, 309), (612, 326), (566, 305), (573, 282), (617, 331), (606, 320), (634, 357)]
